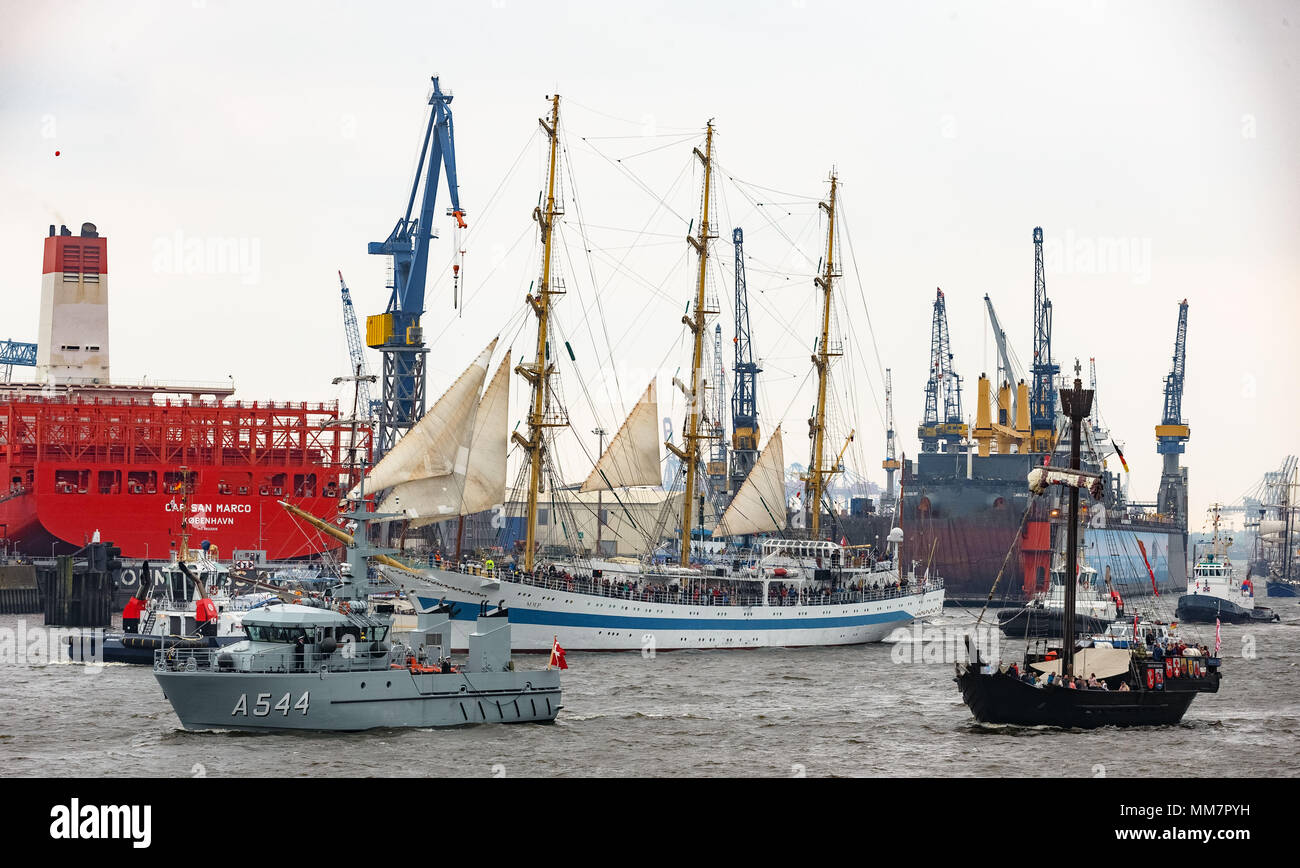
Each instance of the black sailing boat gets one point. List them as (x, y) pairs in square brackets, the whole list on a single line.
[(1142, 687)]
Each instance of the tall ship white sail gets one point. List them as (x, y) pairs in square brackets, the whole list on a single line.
[(783, 590)]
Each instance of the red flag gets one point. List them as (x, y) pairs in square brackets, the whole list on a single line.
[(1218, 637), (1135, 628), (1150, 572), (844, 541), (557, 656)]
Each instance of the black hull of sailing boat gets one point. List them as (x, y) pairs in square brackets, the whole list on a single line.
[(1001, 699)]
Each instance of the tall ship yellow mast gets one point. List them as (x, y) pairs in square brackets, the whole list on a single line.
[(865, 600), (538, 372), (695, 321), (815, 479)]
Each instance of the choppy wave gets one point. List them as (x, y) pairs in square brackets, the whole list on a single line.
[(815, 711)]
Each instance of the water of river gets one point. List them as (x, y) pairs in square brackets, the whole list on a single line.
[(888, 709)]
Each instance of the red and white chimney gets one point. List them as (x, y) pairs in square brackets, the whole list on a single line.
[(72, 345)]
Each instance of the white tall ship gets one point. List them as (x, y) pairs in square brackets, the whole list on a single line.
[(789, 592)]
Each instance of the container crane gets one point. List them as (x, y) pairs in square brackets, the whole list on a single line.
[(744, 404), (1042, 407), (1173, 431), (396, 333), (949, 429)]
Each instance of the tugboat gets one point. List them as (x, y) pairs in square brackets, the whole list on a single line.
[(1214, 591), (1124, 686), (339, 667), (1042, 617), (194, 611)]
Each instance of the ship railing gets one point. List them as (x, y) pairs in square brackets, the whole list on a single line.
[(160, 399), (700, 593), (274, 660)]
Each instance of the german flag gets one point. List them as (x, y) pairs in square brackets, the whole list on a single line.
[(1120, 453)]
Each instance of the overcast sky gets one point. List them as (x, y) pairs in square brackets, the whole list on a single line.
[(1155, 143)]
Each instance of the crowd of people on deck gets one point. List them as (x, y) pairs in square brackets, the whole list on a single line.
[(704, 590), (1158, 647), (1068, 682)]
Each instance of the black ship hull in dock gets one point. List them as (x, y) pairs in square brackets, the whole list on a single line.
[(965, 517)]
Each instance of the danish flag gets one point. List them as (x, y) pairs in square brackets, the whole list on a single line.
[(557, 656)]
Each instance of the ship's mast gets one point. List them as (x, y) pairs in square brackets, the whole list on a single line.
[(184, 554), (1077, 405), (816, 478), (537, 372), (691, 436)]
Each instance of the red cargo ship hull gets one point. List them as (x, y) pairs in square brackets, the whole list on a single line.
[(73, 465)]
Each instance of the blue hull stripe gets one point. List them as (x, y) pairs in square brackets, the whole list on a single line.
[(469, 611)]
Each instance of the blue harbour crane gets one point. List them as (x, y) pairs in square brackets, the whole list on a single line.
[(1042, 398), (744, 403), (396, 333), (1173, 431), (16, 353)]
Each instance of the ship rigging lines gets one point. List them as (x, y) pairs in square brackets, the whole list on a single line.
[(624, 276)]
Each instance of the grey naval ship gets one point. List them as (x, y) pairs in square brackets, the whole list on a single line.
[(338, 666)]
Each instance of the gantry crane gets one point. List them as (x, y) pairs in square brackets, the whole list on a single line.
[(16, 353), (1173, 431), (356, 354), (717, 463), (947, 430), (1009, 372), (1042, 403), (744, 403), (890, 464), (396, 333)]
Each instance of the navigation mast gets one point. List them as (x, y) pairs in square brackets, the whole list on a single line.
[(816, 477), (539, 371), (691, 436)]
